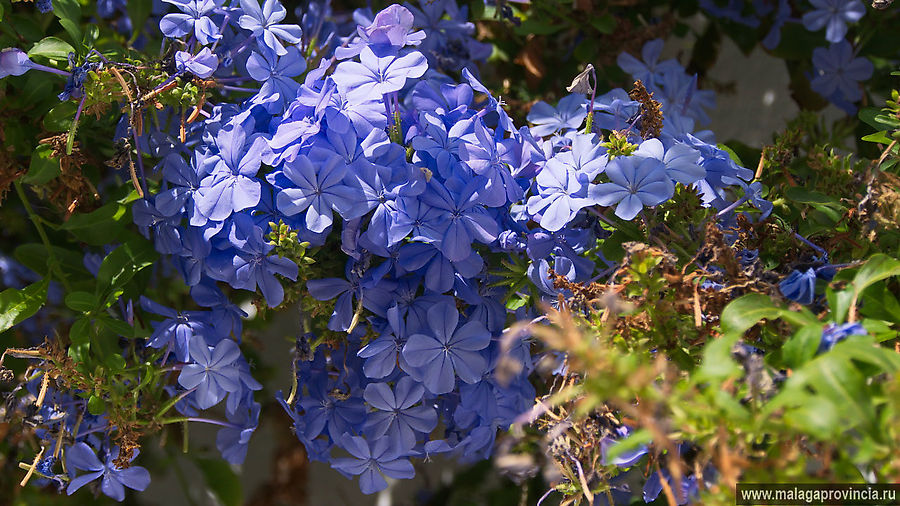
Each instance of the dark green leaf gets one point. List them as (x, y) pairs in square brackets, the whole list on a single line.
[(122, 264), (43, 168), (80, 333), (69, 14), (17, 305), (221, 481), (81, 301), (59, 119)]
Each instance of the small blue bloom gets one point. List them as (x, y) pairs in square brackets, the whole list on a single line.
[(445, 352), (838, 73), (202, 65), (397, 416), (265, 27), (635, 182), (371, 460), (833, 14), (194, 17), (212, 371), (81, 457), (833, 334), (567, 115), (374, 75), (799, 286)]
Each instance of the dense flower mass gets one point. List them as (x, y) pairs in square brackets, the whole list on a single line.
[(251, 144)]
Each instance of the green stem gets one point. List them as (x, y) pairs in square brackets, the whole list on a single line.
[(52, 262)]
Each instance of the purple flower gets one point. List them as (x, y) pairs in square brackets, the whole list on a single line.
[(837, 72), (80, 456), (202, 65), (265, 27), (390, 31), (370, 460), (14, 62), (254, 267), (635, 182), (447, 352), (398, 417), (833, 14), (374, 75), (212, 372), (194, 17)]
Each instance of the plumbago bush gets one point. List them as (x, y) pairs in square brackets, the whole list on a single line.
[(575, 280)]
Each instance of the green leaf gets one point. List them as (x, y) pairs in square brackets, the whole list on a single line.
[(59, 119), (43, 167), (880, 303), (80, 332), (96, 406), (69, 14), (121, 265), (117, 327), (221, 480), (51, 47), (139, 11), (879, 137), (802, 346), (604, 24), (90, 36), (81, 301), (744, 312), (877, 268), (100, 226), (804, 196), (35, 257), (17, 305)]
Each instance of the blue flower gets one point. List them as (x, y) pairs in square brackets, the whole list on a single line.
[(799, 286), (194, 17), (568, 115), (651, 70), (384, 353), (682, 161), (316, 190), (276, 74), (833, 14), (374, 75), (834, 333), (231, 185), (81, 457), (371, 460), (232, 441), (398, 417), (463, 220), (447, 351), (837, 72), (264, 25), (254, 267), (179, 329), (635, 182), (562, 192), (202, 65), (212, 371)]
